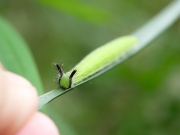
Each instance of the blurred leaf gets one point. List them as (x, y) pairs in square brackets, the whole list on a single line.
[(15, 55), (63, 126), (80, 10)]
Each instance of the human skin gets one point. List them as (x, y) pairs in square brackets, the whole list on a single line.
[(18, 108)]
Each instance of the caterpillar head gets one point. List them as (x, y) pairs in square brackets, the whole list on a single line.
[(65, 79)]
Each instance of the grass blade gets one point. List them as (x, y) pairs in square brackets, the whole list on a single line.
[(145, 35)]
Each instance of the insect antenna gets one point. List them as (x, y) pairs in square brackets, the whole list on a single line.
[(70, 77), (59, 70)]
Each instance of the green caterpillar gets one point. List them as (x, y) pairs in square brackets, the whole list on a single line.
[(97, 60)]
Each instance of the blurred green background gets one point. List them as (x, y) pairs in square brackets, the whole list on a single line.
[(139, 97)]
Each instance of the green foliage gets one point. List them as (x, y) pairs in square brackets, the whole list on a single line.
[(80, 10), (15, 55)]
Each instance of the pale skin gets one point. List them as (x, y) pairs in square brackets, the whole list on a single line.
[(18, 105)]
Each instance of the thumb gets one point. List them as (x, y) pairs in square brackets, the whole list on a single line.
[(18, 102)]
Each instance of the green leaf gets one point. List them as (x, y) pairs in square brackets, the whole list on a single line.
[(145, 35), (16, 56), (80, 10), (65, 128)]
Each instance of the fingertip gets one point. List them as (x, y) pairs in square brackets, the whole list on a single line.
[(17, 79), (19, 102), (39, 124)]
